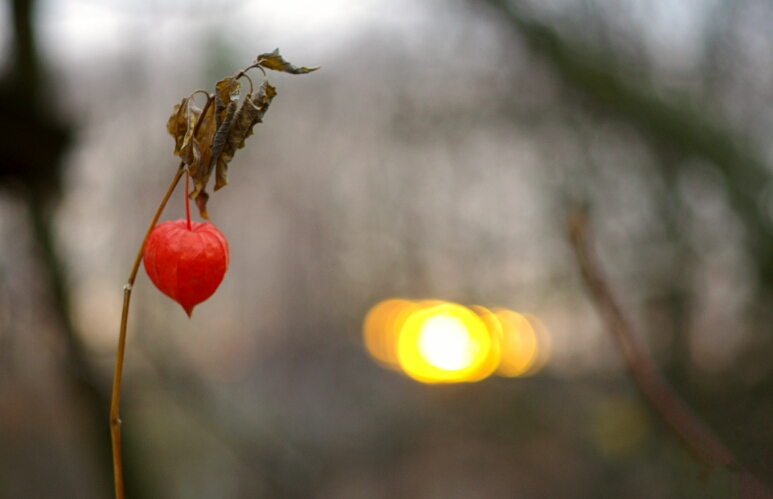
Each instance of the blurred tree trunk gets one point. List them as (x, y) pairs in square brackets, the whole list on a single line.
[(32, 143)]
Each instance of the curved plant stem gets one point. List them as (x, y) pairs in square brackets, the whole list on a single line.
[(674, 411), (115, 421)]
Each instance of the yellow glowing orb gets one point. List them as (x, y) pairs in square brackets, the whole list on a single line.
[(443, 342)]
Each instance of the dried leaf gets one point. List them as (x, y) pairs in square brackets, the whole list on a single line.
[(219, 145), (212, 135), (202, 150), (277, 63), (226, 93), (180, 126), (250, 113), (223, 128), (201, 202), (266, 94)]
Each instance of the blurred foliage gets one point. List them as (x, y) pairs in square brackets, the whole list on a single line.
[(433, 160), (677, 134)]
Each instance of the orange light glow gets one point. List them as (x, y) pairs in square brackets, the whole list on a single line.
[(381, 329), (443, 343), (543, 343), (519, 344), (495, 332)]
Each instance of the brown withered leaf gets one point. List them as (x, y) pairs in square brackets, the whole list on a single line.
[(201, 203), (195, 152), (180, 126), (226, 94), (224, 127), (276, 62), (198, 167), (226, 97), (211, 138), (266, 94), (250, 113)]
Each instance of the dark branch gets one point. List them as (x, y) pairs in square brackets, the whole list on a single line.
[(695, 435)]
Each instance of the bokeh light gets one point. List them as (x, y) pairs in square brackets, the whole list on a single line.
[(494, 329), (443, 342), (519, 344), (380, 331), (440, 342), (543, 343)]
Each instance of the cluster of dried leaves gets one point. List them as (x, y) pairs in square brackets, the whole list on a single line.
[(207, 139)]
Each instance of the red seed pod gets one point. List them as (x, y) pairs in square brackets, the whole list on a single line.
[(185, 264)]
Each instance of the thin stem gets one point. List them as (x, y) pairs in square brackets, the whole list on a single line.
[(200, 91), (187, 204), (243, 72), (677, 415), (250, 80), (115, 421)]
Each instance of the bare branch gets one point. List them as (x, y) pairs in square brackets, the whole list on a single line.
[(693, 433)]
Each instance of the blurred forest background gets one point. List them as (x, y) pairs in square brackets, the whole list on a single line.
[(436, 154)]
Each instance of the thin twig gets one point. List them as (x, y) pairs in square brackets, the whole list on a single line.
[(691, 430), (115, 421), (187, 203)]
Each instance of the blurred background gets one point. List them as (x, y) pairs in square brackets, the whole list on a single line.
[(435, 155)]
